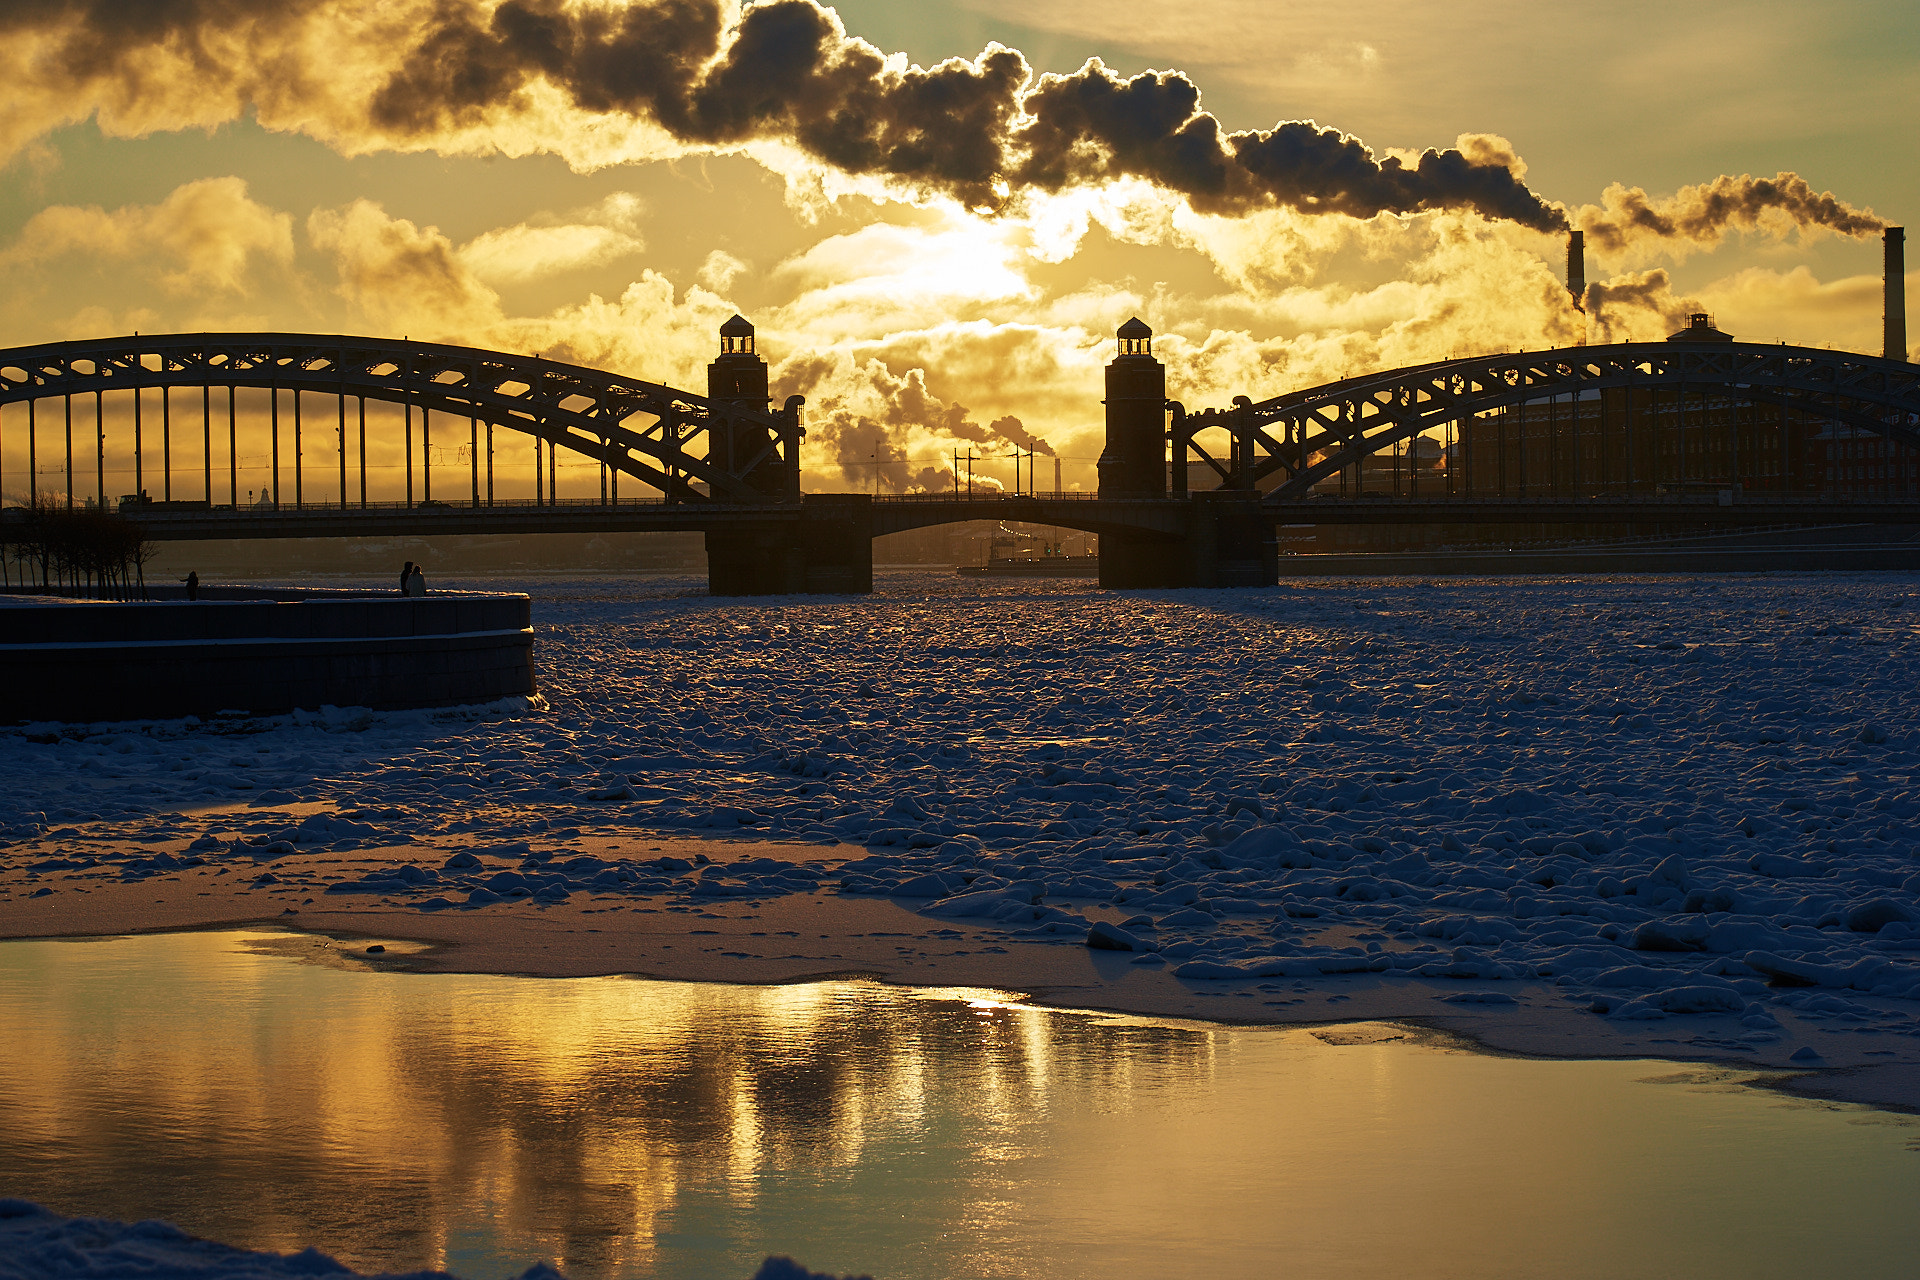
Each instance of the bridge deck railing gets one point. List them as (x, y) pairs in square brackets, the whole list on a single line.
[(1824, 498), (190, 506)]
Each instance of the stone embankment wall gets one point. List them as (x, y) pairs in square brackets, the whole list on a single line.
[(262, 652)]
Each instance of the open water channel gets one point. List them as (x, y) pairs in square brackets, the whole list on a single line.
[(276, 1090)]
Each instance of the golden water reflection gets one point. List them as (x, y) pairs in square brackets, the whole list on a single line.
[(618, 1127)]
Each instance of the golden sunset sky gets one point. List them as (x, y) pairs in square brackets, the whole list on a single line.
[(938, 259)]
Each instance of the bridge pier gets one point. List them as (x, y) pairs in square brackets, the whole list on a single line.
[(1137, 560), (836, 540), (826, 550), (1229, 542), (759, 559), (1232, 542)]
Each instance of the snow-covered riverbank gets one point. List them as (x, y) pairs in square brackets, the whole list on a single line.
[(1662, 812)]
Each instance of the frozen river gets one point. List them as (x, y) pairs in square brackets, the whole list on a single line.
[(1631, 818), (266, 1089), (1645, 801)]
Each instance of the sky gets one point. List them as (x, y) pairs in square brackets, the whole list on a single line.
[(937, 213)]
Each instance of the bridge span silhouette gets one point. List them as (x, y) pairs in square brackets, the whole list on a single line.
[(1700, 430)]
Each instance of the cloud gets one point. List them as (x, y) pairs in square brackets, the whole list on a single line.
[(720, 270), (650, 331), (1049, 156), (598, 83), (141, 67), (920, 392), (549, 245), (1764, 305), (511, 255), (1449, 285), (205, 235), (885, 277), (403, 278)]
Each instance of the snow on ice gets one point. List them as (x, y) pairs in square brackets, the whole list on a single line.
[(38, 1244), (1667, 796)]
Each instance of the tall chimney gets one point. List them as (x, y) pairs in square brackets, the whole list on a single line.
[(1577, 267), (1896, 315)]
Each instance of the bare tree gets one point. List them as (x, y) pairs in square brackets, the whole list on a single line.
[(91, 551)]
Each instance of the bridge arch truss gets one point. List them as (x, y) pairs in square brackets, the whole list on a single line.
[(669, 439), (1287, 445)]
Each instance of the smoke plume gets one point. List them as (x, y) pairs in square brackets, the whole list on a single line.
[(863, 414), (1091, 126), (1702, 213), (1637, 307), (604, 82)]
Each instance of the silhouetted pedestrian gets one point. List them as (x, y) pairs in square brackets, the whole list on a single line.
[(417, 584), (193, 585), (405, 574)]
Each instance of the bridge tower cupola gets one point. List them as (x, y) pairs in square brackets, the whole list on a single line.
[(738, 374), (1134, 462)]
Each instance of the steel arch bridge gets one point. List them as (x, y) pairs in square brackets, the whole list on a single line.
[(720, 464), (1284, 446), (669, 439)]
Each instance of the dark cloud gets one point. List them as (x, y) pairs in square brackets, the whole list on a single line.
[(787, 71), (713, 75), (984, 131), (104, 44), (1092, 126)]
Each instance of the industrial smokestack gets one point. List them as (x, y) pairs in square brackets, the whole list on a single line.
[(1896, 315), (1577, 267)]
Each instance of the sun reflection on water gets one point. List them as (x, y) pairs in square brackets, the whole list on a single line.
[(625, 1127)]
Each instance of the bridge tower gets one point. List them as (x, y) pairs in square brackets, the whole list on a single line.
[(1229, 541), (738, 376), (1134, 462), (826, 545)]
